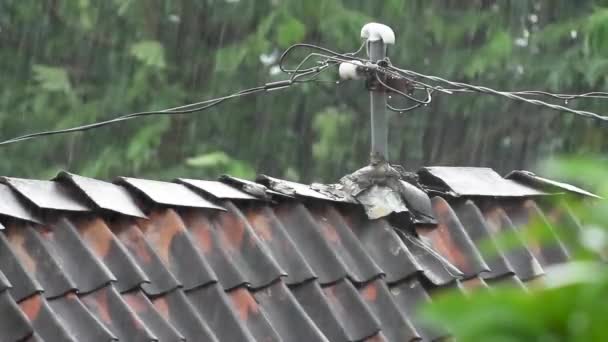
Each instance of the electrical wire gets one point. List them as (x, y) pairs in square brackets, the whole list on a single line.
[(418, 102), (407, 96), (564, 97), (329, 58), (509, 95), (300, 76), (429, 95), (199, 106), (330, 54)]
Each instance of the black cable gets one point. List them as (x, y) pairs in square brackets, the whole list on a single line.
[(429, 94), (565, 97), (200, 106), (343, 57), (490, 91), (407, 96), (332, 58), (299, 76)]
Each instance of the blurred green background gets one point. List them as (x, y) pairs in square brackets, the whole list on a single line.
[(65, 63)]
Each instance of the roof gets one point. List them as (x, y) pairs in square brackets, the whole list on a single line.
[(191, 260)]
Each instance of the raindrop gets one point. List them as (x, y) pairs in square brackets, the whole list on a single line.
[(566, 102), (275, 70), (390, 97), (426, 104), (337, 82), (533, 18)]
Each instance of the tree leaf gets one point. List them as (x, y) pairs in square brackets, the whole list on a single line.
[(290, 31), (52, 78), (220, 162), (149, 52)]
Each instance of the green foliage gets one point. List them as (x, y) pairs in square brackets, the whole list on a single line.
[(52, 79), (221, 162), (565, 313), (290, 31), (150, 53), (495, 52), (73, 62)]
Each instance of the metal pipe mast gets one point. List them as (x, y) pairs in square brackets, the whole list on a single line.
[(379, 37)]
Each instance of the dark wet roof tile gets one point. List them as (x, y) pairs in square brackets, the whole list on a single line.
[(352, 311), (245, 249), (176, 309), (383, 244), (473, 181), (337, 310), (145, 310), (531, 179), (210, 243), (252, 188), (215, 308), (285, 268), (47, 194), (474, 223), (44, 320), (14, 325), (410, 297), (251, 315), (521, 259), (38, 260), (284, 250), (287, 317), (395, 325), (566, 225), (166, 233), (550, 249), (12, 206), (451, 240), (111, 309), (12, 272), (76, 260), (4, 282), (77, 320), (104, 195), (98, 237), (360, 266), (159, 279), (435, 268), (314, 246), (217, 190), (170, 194), (292, 188)]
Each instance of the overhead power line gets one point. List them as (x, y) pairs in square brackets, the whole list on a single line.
[(518, 96), (325, 58), (308, 76), (382, 69)]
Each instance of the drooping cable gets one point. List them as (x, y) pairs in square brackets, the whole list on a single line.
[(302, 76), (328, 58), (329, 55), (186, 109)]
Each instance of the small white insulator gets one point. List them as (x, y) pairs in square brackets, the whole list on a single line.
[(375, 31), (350, 70)]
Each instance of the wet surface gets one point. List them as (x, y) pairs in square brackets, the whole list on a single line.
[(219, 265)]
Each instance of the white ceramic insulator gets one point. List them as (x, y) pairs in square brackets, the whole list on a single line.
[(348, 70), (376, 31)]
